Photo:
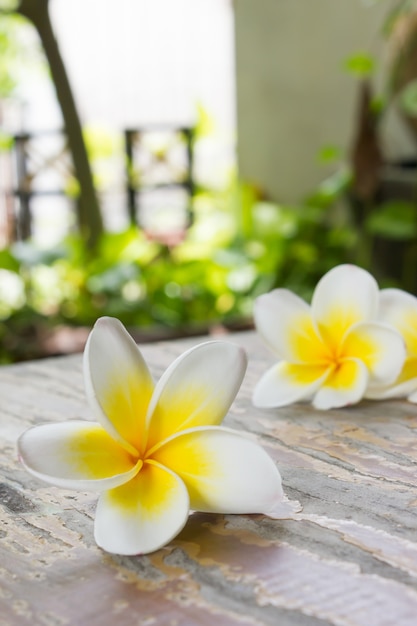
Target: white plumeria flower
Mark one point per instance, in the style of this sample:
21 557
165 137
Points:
156 451
329 351
399 309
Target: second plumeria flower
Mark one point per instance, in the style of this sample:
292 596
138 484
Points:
331 351
156 451
399 309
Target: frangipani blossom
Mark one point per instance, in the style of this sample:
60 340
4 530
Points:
399 309
329 351
156 451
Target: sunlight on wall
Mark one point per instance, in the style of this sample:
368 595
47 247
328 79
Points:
148 61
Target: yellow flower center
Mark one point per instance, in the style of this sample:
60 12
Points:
308 347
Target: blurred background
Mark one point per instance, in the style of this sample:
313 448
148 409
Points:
167 161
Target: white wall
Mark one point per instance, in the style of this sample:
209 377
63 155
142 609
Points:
135 62
292 95
148 61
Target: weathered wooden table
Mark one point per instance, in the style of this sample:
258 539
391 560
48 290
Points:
348 558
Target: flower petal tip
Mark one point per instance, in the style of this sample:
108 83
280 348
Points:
107 322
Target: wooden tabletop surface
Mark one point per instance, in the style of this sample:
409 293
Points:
348 558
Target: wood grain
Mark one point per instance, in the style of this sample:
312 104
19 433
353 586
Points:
348 558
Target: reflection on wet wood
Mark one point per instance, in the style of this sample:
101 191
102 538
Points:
348 558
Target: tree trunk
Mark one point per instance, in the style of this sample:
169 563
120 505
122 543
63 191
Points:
88 210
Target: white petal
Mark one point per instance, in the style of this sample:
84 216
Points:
393 301
380 347
144 514
344 296
196 390
284 322
76 455
399 309
223 471
386 392
346 385
285 383
118 383
413 397
405 384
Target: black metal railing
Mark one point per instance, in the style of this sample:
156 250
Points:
36 154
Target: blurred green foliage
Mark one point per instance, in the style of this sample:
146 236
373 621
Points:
360 64
238 247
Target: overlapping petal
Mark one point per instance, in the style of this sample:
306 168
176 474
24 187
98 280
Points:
403 386
344 296
284 321
399 309
285 383
224 471
76 455
346 385
144 514
118 383
380 347
197 390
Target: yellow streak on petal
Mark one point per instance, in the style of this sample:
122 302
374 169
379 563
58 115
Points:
186 408
307 347
361 346
303 374
149 494
408 328
192 461
337 321
126 406
408 372
93 454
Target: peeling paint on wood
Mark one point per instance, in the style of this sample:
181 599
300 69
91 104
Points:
349 558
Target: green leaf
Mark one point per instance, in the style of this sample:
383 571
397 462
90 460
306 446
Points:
329 154
6 141
331 188
274 221
394 220
204 126
408 98
8 261
378 105
101 142
360 65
